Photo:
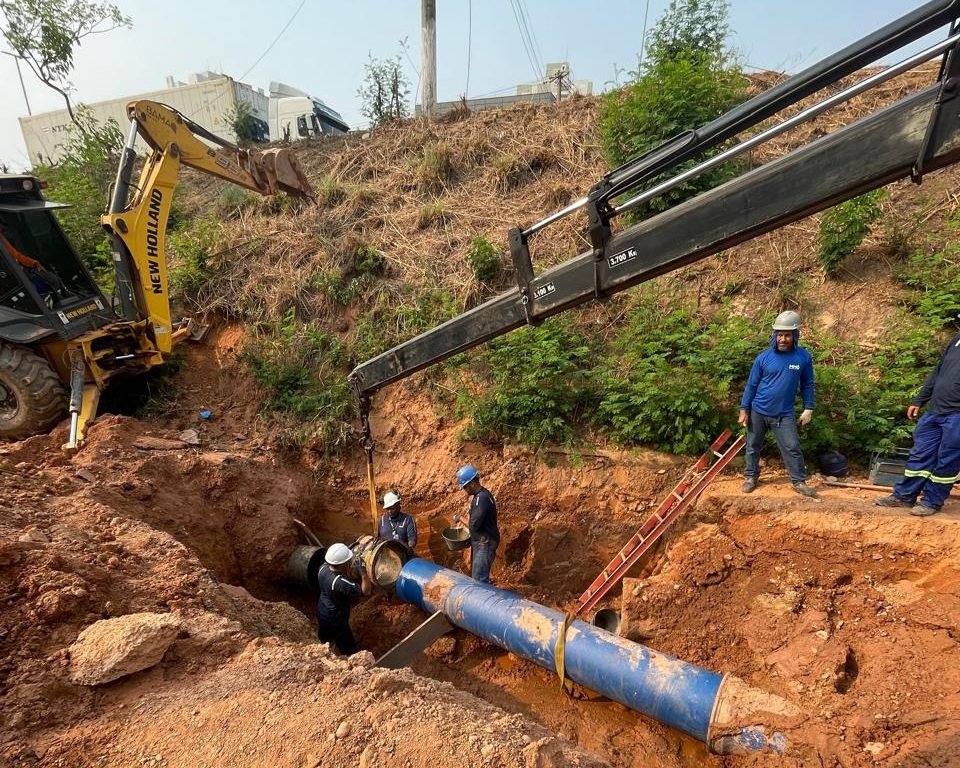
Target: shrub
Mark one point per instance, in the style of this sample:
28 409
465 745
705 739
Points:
330 192
435 168
484 258
191 248
935 277
432 215
541 383
688 79
302 370
845 226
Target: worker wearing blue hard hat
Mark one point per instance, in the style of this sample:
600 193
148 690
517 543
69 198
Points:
484 533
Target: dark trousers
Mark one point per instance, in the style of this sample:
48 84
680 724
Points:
338 635
481 561
788 441
934 462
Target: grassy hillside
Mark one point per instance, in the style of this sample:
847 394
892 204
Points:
409 231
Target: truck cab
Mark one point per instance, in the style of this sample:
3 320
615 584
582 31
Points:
295 115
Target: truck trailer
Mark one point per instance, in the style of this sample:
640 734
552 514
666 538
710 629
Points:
210 99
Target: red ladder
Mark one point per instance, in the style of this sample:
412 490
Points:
696 479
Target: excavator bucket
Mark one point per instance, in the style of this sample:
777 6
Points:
279 170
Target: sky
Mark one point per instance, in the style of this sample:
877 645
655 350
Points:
321 46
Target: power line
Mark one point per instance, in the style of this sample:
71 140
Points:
531 33
523 39
279 35
643 35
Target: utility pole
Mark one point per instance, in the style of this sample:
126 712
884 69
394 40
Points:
428 55
20 75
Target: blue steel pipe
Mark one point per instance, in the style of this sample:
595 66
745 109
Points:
695 701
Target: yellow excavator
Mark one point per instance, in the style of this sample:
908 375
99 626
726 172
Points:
58 332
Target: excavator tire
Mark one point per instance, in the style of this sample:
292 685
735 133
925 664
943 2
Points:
32 397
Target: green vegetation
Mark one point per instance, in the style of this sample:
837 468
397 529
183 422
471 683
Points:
244 125
935 277
384 92
845 226
301 369
688 79
193 247
484 259
45 33
540 384
82 179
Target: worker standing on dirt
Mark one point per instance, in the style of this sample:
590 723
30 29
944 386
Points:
484 532
337 592
396 525
934 462
769 400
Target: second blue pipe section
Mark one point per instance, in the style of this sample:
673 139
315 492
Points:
676 693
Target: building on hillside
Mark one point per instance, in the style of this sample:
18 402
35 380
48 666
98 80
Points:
557 84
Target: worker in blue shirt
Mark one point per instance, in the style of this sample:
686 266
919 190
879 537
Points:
934 462
769 401
396 525
484 532
337 592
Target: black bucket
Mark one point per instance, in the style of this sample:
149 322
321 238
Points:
608 619
833 464
303 565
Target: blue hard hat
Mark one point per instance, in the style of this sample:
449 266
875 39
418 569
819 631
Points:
467 473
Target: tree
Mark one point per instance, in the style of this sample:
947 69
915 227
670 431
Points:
691 28
82 178
244 124
44 34
688 79
384 92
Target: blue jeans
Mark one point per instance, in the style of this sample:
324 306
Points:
481 560
788 441
934 463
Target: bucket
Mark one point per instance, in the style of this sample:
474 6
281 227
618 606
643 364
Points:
456 538
833 464
607 619
303 565
384 563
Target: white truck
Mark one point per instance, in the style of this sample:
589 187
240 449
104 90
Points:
296 115
210 99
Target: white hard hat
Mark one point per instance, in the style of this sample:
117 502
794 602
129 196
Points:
390 499
338 554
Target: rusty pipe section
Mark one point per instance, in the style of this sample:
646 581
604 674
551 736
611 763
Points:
723 712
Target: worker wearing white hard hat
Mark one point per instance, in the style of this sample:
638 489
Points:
338 590
396 525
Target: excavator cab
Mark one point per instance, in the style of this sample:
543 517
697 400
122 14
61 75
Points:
45 290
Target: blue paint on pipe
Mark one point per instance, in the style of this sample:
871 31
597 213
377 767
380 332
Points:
671 691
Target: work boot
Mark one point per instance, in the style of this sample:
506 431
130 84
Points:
922 510
805 490
892 501
749 485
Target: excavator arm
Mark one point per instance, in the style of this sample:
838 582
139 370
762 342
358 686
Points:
919 133
137 219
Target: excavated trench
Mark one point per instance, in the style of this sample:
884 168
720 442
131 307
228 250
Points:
852 615
849 612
